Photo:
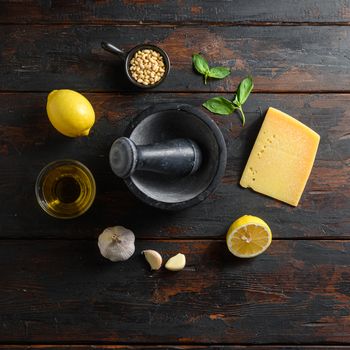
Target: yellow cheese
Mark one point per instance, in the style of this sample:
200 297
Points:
281 160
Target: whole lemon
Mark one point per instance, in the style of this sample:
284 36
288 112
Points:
70 112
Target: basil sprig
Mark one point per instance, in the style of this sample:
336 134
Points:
201 65
223 106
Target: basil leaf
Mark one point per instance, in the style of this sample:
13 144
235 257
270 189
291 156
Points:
219 105
242 115
236 102
200 64
244 89
219 72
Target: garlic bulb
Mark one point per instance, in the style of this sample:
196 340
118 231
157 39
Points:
116 243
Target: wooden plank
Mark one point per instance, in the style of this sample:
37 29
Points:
28 142
193 11
64 291
174 347
279 58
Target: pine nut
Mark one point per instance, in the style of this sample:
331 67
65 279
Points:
147 67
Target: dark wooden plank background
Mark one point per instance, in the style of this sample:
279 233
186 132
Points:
56 289
281 58
190 11
69 293
171 347
29 141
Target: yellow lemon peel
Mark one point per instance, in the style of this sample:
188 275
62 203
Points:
70 112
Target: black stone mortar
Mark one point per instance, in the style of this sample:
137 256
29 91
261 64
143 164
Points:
160 124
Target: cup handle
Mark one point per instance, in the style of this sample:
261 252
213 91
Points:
112 49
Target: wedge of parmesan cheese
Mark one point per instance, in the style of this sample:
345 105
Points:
282 157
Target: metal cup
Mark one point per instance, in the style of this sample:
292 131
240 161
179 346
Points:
127 57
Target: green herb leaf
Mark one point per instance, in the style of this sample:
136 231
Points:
200 63
219 72
236 102
244 89
242 114
219 105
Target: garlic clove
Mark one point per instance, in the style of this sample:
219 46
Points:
116 243
176 263
153 258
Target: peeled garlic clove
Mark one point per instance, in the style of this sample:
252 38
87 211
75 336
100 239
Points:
116 243
176 263
153 258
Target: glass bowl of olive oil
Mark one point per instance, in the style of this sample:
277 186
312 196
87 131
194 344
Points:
65 189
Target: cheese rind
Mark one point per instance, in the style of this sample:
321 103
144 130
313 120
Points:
282 157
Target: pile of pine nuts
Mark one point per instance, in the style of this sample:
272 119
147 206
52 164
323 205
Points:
147 67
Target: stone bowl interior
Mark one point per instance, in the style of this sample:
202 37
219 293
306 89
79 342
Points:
162 123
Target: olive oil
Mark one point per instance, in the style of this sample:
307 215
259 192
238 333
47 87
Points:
65 189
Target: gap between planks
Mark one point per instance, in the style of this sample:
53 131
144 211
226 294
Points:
177 240
110 345
187 92
166 24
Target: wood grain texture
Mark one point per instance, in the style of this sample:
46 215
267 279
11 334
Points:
56 288
28 142
279 58
193 11
64 291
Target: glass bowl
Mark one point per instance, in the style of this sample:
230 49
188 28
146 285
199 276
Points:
65 189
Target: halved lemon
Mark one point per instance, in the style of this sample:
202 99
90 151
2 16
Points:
248 236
